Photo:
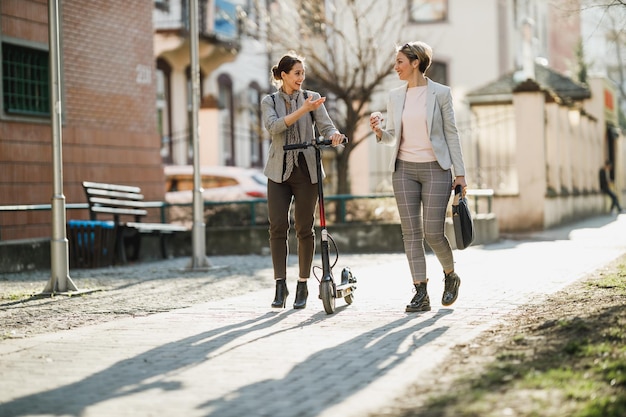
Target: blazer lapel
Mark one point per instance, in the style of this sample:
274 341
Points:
302 127
302 122
398 105
431 99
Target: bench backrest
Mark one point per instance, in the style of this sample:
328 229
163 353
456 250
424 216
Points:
115 200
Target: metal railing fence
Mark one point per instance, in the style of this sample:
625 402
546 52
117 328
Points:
474 195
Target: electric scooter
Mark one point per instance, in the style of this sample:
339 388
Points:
329 290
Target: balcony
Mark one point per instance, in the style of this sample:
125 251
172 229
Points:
218 23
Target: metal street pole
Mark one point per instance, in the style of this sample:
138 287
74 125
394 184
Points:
60 280
199 260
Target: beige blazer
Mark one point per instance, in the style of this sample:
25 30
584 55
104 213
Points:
440 122
273 111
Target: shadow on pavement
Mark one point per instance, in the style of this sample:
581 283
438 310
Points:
351 365
331 375
136 374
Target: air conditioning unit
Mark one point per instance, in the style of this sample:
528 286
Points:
162 5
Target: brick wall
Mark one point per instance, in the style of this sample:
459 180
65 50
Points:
109 125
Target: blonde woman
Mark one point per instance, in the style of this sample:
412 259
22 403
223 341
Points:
427 164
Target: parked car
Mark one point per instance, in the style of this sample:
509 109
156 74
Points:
220 183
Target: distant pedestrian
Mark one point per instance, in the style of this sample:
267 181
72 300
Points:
606 185
288 115
422 129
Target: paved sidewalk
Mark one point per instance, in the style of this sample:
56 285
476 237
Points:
237 357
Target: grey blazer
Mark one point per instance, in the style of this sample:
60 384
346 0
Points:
440 122
274 111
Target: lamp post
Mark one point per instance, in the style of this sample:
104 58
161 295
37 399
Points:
199 260
60 280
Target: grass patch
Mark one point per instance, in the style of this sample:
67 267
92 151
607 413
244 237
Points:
563 359
16 296
615 281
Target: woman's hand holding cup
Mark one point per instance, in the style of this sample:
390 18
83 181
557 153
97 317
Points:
376 122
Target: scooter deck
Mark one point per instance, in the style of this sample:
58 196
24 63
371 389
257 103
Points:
345 289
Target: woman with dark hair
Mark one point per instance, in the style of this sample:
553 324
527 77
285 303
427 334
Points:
289 115
427 164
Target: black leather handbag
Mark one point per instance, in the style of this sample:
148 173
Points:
462 220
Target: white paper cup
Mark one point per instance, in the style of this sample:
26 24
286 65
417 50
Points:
379 116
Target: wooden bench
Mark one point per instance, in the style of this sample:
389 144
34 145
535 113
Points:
124 201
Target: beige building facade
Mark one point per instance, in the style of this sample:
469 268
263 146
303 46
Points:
524 135
474 43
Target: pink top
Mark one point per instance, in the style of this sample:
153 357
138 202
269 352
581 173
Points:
415 145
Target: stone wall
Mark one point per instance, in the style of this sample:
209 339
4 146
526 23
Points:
34 254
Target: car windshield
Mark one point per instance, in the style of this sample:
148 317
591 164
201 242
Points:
260 178
185 182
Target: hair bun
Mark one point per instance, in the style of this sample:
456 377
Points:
275 73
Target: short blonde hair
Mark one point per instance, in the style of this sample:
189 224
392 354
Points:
418 50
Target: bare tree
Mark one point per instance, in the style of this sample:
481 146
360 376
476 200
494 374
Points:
616 36
345 60
611 21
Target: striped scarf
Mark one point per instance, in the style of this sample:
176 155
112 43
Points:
292 134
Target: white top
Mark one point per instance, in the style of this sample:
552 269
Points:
415 145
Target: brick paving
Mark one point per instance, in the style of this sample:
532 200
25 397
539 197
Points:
238 357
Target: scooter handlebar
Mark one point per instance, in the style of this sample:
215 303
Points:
321 141
296 146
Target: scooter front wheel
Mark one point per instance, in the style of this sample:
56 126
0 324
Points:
327 294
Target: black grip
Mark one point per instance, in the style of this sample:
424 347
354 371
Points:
328 142
321 141
295 146
458 189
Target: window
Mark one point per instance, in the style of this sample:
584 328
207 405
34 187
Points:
25 81
163 104
227 118
226 19
256 126
438 72
428 11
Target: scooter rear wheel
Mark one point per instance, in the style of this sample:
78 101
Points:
347 278
327 295
349 298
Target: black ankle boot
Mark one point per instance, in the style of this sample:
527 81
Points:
421 301
451 288
302 292
280 298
